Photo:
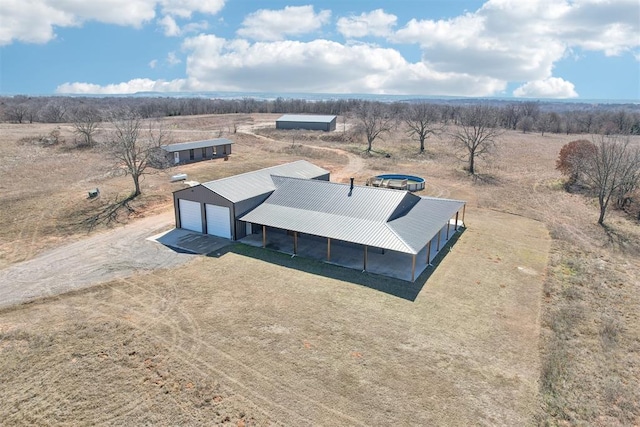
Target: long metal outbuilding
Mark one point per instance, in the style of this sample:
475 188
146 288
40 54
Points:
297 200
185 152
307 122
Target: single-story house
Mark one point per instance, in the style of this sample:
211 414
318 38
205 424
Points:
185 152
307 122
297 200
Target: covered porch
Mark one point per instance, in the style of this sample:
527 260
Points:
390 263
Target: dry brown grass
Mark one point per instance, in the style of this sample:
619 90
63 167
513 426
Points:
258 348
215 341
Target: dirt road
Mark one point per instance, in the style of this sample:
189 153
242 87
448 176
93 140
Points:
96 259
354 163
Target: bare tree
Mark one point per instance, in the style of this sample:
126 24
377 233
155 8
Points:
85 124
127 146
55 111
615 166
423 121
544 123
476 132
374 120
16 113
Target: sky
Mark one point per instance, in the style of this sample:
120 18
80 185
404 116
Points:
555 49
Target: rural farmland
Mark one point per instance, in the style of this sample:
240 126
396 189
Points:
529 318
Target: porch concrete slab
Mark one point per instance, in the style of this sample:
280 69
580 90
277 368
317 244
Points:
384 262
190 241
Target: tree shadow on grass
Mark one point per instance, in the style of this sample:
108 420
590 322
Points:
395 287
109 212
621 240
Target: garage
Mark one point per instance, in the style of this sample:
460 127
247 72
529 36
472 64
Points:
213 207
190 215
218 221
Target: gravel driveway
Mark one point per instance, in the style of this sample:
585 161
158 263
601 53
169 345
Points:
98 258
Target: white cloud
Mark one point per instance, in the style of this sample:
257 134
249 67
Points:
521 40
132 86
172 29
153 63
172 59
291 66
374 23
184 8
276 24
319 66
169 26
195 27
33 21
553 87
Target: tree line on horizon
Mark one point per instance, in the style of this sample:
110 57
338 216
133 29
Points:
525 116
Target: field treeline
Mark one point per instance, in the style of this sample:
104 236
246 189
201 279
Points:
526 116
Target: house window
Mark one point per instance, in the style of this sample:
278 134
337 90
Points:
192 154
204 153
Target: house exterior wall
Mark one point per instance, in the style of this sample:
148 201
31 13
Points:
198 155
203 196
327 127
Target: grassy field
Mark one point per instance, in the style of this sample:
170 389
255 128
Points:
214 340
531 318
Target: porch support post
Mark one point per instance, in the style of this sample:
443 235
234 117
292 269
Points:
457 220
429 252
364 268
464 207
448 225
413 268
328 248
439 234
295 242
264 236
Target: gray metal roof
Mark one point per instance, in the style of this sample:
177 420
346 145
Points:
424 220
251 184
181 146
373 216
306 118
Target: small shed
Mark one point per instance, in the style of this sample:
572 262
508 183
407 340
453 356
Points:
186 152
307 122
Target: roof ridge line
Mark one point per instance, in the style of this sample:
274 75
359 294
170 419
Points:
399 237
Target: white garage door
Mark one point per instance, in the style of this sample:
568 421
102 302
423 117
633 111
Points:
190 216
218 222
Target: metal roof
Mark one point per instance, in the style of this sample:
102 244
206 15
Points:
306 118
181 146
373 216
251 184
424 220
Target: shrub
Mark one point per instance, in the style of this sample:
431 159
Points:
573 159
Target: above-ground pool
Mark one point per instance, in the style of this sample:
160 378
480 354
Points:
398 181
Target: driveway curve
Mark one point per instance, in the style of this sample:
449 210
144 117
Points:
99 258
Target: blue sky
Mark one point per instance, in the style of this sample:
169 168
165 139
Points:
580 49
